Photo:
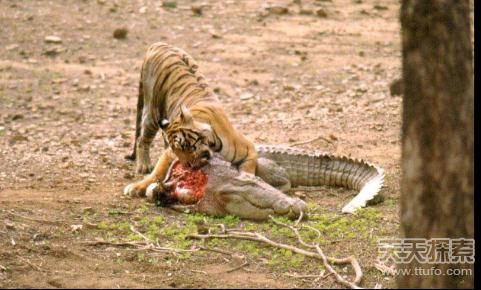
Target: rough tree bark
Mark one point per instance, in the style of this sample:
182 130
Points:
437 191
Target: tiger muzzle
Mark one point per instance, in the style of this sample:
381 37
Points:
201 160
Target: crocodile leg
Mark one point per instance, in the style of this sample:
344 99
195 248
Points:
273 174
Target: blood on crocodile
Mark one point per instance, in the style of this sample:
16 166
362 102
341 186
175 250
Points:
188 184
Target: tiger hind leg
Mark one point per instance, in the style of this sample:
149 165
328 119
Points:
138 121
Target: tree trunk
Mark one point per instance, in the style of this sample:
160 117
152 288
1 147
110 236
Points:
437 191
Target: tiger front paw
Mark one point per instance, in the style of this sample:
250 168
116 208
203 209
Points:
153 191
158 192
134 190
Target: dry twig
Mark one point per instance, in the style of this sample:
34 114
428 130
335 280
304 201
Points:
215 250
35 219
325 260
310 141
385 269
318 254
238 267
120 244
35 267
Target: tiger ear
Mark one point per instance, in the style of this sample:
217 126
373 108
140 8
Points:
205 128
164 124
185 115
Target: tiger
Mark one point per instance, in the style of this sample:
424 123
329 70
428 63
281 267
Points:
175 98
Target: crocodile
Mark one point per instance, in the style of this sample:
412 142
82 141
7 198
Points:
279 168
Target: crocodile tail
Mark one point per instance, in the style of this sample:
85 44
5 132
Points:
314 168
370 188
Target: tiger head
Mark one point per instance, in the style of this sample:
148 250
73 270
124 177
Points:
188 139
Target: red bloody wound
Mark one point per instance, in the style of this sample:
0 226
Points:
189 184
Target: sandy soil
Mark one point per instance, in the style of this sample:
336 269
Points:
67 114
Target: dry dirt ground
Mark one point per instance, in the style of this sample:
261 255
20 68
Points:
67 115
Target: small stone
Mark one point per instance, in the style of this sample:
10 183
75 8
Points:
17 117
120 33
246 96
300 194
169 4
215 35
321 12
361 89
397 87
238 259
277 9
305 11
364 12
88 210
128 175
143 10
254 82
53 39
197 9
332 137
76 228
353 78
9 225
12 47
380 7
38 237
291 87
53 51
84 88
17 138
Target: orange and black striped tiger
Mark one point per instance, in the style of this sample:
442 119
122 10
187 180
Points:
174 97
